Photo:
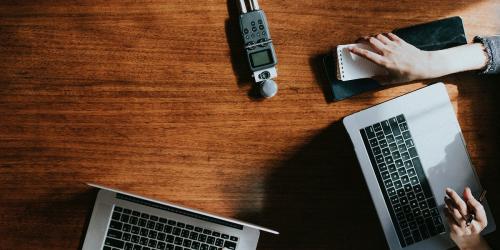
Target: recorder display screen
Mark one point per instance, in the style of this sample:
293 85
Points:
261 58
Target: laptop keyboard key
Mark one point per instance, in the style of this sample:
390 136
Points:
186 243
202 238
230 245
126 237
152 243
193 236
135 238
178 241
195 245
161 245
143 241
115 225
159 227
135 230
416 235
133 220
210 240
114 243
129 246
219 242
161 236
115 216
114 234
408 241
142 222
370 132
167 229
152 234
170 238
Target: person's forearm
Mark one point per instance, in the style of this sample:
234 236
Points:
458 59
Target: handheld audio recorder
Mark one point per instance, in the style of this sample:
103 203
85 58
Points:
258 46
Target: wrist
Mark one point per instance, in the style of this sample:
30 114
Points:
476 243
439 63
458 59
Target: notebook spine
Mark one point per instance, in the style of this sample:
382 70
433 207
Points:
341 63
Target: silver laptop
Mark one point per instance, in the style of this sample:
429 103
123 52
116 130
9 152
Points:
125 221
410 149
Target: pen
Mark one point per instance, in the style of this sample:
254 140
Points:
470 216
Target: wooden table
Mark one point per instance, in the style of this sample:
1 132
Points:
152 97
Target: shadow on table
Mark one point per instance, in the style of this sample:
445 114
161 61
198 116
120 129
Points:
318 69
482 95
89 196
318 199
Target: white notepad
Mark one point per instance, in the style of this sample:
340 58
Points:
351 66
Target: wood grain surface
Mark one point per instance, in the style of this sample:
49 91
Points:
153 97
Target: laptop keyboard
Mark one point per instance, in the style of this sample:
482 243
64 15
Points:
133 230
402 180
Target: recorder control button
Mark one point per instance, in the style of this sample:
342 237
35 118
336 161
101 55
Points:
251 45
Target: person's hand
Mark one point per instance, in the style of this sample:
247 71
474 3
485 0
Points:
403 61
456 210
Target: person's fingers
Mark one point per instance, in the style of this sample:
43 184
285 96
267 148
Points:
383 39
467 194
374 57
453 211
376 44
454 227
475 227
449 217
480 214
459 203
476 207
363 39
393 37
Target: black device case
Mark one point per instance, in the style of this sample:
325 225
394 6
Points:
436 35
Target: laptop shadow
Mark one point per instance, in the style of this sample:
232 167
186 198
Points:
318 199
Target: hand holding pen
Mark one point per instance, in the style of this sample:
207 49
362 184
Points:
466 218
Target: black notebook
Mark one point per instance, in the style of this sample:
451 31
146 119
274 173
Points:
436 35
